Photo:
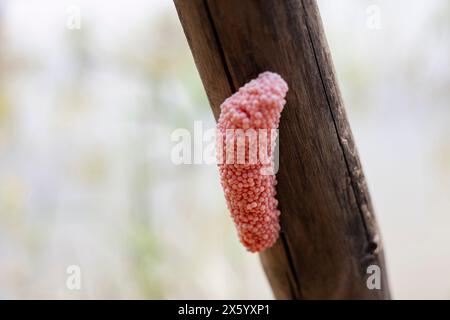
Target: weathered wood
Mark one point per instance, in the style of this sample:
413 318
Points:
329 233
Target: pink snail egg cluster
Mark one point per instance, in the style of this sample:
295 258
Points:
249 190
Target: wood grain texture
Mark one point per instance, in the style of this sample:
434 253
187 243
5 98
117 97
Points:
329 233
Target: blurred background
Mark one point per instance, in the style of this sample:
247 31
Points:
86 177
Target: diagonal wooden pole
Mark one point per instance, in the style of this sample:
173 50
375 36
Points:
329 238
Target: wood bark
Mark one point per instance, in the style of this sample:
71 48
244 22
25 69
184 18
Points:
329 233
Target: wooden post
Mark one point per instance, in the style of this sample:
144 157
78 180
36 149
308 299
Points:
329 234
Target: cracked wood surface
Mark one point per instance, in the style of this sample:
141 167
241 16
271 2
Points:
329 233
